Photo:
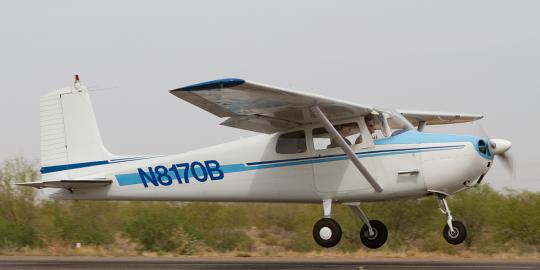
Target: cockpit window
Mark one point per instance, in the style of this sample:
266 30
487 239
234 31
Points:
292 143
397 122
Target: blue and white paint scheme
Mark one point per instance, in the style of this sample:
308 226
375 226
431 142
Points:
311 149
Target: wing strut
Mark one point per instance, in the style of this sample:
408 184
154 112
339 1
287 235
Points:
421 125
346 148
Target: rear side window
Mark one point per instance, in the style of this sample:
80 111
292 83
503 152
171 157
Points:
292 143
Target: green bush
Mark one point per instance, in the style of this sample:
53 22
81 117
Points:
155 226
186 227
87 222
18 205
14 235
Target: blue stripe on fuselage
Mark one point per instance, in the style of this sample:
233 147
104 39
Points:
134 178
72 166
409 137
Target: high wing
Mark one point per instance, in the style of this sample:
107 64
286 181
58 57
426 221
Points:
438 118
267 109
261 108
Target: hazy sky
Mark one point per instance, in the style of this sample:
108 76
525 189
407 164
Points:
465 56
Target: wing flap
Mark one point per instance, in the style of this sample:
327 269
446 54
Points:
259 123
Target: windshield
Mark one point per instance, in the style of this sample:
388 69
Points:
393 122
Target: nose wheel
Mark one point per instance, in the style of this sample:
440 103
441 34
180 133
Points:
454 231
457 235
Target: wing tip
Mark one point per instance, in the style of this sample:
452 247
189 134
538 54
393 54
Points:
209 85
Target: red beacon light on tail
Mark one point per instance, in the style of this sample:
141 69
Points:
77 83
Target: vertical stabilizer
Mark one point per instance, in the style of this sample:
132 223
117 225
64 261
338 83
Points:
69 132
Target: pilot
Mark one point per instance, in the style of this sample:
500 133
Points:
370 123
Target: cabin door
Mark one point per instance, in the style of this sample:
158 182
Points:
333 171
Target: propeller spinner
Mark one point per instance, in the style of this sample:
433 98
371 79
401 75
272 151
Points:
499 147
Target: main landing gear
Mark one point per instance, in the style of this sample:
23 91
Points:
373 234
327 232
454 231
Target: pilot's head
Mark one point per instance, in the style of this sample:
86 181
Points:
370 123
344 130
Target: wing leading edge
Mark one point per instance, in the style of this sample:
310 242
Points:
267 109
262 108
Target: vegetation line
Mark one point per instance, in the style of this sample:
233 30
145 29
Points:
497 223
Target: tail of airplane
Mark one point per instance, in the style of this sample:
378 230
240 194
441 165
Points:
70 136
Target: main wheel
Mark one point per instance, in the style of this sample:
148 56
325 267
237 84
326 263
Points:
327 232
459 234
379 236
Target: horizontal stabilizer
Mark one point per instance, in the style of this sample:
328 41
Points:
68 184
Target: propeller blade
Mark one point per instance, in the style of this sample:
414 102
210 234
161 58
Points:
482 132
508 163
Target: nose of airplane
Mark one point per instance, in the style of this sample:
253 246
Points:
499 146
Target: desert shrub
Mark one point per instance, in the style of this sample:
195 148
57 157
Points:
18 214
87 222
155 226
15 235
181 227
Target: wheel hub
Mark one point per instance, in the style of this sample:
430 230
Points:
325 233
372 236
453 234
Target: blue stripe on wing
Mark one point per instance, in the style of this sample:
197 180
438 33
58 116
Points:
216 84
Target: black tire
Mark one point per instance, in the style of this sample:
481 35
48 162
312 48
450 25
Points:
327 232
378 239
459 235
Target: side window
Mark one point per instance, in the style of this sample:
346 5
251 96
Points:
292 143
349 131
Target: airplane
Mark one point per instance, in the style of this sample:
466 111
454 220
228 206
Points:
311 149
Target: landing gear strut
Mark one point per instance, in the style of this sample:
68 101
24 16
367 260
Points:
454 231
373 233
326 231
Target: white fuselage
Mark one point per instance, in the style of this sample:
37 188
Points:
410 164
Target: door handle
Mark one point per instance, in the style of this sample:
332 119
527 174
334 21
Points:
408 172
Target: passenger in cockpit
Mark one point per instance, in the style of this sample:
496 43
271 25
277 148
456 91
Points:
344 131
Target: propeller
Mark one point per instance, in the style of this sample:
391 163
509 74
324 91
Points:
499 148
